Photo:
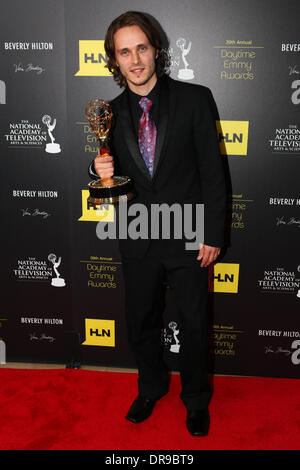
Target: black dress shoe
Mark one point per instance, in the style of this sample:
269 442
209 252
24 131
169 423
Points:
140 409
197 422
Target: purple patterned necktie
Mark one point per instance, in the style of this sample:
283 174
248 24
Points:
147 134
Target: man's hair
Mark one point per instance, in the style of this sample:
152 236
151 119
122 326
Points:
135 18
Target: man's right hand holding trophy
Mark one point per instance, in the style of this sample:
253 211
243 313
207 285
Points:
108 188
104 165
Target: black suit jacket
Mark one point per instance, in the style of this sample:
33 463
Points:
188 168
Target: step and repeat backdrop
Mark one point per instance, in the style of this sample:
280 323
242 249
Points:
62 288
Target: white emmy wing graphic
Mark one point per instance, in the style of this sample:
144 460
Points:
2 352
2 92
56 281
174 347
186 73
52 147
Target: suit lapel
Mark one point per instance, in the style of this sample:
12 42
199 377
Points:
162 123
130 138
166 115
167 105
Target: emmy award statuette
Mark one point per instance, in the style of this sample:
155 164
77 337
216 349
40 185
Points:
2 352
174 347
52 147
105 190
56 281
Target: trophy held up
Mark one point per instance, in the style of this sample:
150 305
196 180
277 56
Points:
105 190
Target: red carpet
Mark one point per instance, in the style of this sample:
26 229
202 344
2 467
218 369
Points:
77 409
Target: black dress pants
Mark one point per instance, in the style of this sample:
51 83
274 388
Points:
144 305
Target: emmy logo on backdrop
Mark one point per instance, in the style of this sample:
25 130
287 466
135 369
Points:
2 352
2 92
56 281
53 147
174 347
186 73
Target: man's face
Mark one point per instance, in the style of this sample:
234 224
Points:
135 57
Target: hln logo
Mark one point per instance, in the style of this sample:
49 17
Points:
92 59
95 213
224 277
233 137
99 332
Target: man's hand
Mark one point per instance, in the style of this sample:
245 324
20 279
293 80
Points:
208 254
104 166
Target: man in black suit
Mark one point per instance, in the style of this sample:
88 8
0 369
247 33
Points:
181 166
